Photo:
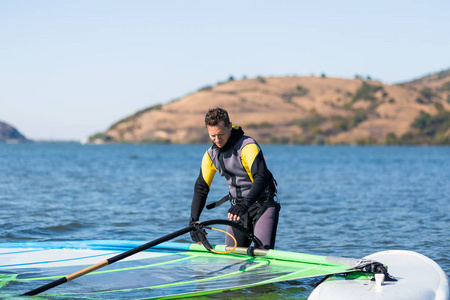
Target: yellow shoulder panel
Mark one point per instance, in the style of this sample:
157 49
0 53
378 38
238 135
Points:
248 155
208 169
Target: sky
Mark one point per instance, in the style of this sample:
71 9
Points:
70 69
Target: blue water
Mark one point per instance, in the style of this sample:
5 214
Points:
336 200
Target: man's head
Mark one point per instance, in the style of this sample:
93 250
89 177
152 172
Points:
215 115
218 125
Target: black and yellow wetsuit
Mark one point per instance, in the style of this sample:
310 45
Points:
242 163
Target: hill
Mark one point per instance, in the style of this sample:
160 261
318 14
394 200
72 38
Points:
304 110
10 134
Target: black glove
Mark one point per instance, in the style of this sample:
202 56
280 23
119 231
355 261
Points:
198 235
194 233
239 209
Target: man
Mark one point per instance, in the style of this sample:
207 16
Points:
239 159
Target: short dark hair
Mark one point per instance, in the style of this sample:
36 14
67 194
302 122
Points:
215 115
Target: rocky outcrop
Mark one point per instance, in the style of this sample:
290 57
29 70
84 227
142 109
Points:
10 134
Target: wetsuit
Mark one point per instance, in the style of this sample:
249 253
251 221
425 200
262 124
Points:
242 163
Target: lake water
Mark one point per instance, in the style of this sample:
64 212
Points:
336 200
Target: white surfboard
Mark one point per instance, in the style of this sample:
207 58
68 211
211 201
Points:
419 278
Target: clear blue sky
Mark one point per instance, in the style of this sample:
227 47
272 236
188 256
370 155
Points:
69 69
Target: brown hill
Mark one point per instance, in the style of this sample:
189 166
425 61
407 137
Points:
297 110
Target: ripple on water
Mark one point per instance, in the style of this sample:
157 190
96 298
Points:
343 201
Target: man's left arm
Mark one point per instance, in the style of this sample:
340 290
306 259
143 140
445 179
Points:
255 164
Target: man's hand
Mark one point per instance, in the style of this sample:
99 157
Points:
195 234
198 235
237 211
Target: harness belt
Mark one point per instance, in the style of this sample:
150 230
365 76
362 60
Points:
220 202
267 199
256 210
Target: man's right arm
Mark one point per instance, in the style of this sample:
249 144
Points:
202 185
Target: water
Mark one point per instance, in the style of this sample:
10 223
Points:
336 200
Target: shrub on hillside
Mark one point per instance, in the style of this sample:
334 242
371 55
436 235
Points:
346 123
432 126
261 79
310 123
426 96
301 91
366 92
298 92
367 141
446 86
429 129
259 125
100 136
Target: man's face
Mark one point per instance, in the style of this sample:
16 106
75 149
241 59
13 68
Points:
219 134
